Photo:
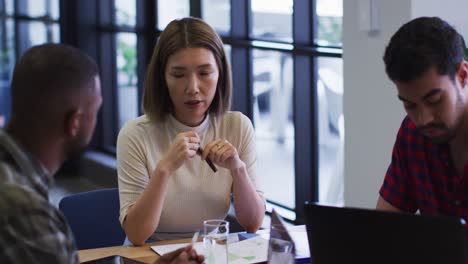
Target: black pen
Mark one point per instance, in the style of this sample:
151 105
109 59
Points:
210 163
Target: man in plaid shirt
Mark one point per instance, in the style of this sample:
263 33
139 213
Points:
56 95
429 167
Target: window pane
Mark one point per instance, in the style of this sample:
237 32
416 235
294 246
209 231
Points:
127 77
54 33
7 47
39 8
169 10
54 9
272 19
125 12
274 127
217 13
38 33
227 50
9 7
331 130
34 32
330 22
7 61
34 8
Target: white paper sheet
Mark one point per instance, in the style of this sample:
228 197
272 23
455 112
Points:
252 250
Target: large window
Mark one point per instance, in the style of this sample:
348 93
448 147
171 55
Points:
272 20
286 60
126 60
23 23
329 90
169 10
274 123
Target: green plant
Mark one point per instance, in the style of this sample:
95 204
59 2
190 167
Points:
123 17
130 62
330 29
5 66
4 56
464 47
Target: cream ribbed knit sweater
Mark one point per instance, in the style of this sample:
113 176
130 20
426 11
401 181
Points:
195 193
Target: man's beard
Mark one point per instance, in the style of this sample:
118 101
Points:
448 134
76 148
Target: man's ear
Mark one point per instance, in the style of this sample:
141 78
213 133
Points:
463 73
73 123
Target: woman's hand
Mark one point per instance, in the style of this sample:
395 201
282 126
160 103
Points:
181 256
185 147
223 154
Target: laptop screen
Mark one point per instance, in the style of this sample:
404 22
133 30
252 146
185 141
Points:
350 235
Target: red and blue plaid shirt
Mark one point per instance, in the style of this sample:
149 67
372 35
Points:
421 176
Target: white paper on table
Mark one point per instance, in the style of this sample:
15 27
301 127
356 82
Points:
251 250
163 249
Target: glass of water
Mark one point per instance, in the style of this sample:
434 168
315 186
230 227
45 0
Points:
215 237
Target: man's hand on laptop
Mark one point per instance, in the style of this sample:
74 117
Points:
181 256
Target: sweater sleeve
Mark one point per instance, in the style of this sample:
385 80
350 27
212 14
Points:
133 175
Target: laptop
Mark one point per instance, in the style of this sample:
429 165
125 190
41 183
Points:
350 235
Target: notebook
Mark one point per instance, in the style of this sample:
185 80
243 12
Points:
364 236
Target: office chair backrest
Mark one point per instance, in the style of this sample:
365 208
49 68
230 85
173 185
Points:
94 218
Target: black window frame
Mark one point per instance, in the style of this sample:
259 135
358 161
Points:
21 35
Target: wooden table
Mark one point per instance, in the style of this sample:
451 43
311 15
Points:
142 253
145 253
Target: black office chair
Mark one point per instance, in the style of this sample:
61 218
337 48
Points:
94 218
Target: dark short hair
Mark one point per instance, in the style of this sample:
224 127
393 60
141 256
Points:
421 44
47 76
179 34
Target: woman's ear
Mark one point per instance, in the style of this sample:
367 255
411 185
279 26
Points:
73 122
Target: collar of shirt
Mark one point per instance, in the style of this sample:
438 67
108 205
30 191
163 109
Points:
31 168
179 127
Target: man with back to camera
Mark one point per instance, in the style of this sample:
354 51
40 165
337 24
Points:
429 167
56 95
